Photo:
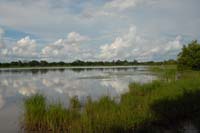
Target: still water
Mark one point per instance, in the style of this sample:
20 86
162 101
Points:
59 84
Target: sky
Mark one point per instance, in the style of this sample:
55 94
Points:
96 30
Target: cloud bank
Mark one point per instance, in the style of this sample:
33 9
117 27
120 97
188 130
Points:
129 45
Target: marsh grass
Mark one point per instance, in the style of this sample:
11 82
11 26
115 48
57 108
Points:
150 107
35 108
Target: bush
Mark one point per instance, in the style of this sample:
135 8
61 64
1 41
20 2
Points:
189 57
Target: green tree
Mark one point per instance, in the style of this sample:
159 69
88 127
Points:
189 57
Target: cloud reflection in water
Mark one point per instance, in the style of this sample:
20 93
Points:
68 83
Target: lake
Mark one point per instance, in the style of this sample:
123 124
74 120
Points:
59 84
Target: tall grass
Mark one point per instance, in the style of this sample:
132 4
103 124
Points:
35 108
146 107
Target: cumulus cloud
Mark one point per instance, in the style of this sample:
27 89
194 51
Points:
74 37
162 49
122 46
132 45
64 47
68 48
25 47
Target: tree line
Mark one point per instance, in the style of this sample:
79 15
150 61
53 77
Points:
43 63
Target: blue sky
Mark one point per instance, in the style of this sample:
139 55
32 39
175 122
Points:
96 29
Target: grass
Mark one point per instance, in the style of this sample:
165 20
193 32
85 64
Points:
152 107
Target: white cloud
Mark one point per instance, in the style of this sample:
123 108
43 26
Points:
122 4
114 8
64 47
121 46
163 48
68 49
174 45
132 45
25 47
74 37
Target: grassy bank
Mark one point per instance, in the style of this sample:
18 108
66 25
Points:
162 104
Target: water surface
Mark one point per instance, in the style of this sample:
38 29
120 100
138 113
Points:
59 84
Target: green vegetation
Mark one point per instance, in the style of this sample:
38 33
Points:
35 63
162 104
189 58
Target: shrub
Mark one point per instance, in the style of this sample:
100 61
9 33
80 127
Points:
189 57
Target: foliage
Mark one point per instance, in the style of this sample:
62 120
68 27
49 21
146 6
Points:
189 57
42 63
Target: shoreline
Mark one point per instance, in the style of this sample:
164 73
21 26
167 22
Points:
72 67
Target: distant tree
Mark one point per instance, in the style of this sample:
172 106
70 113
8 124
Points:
189 57
118 62
61 63
34 63
14 63
20 63
135 62
43 63
77 63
